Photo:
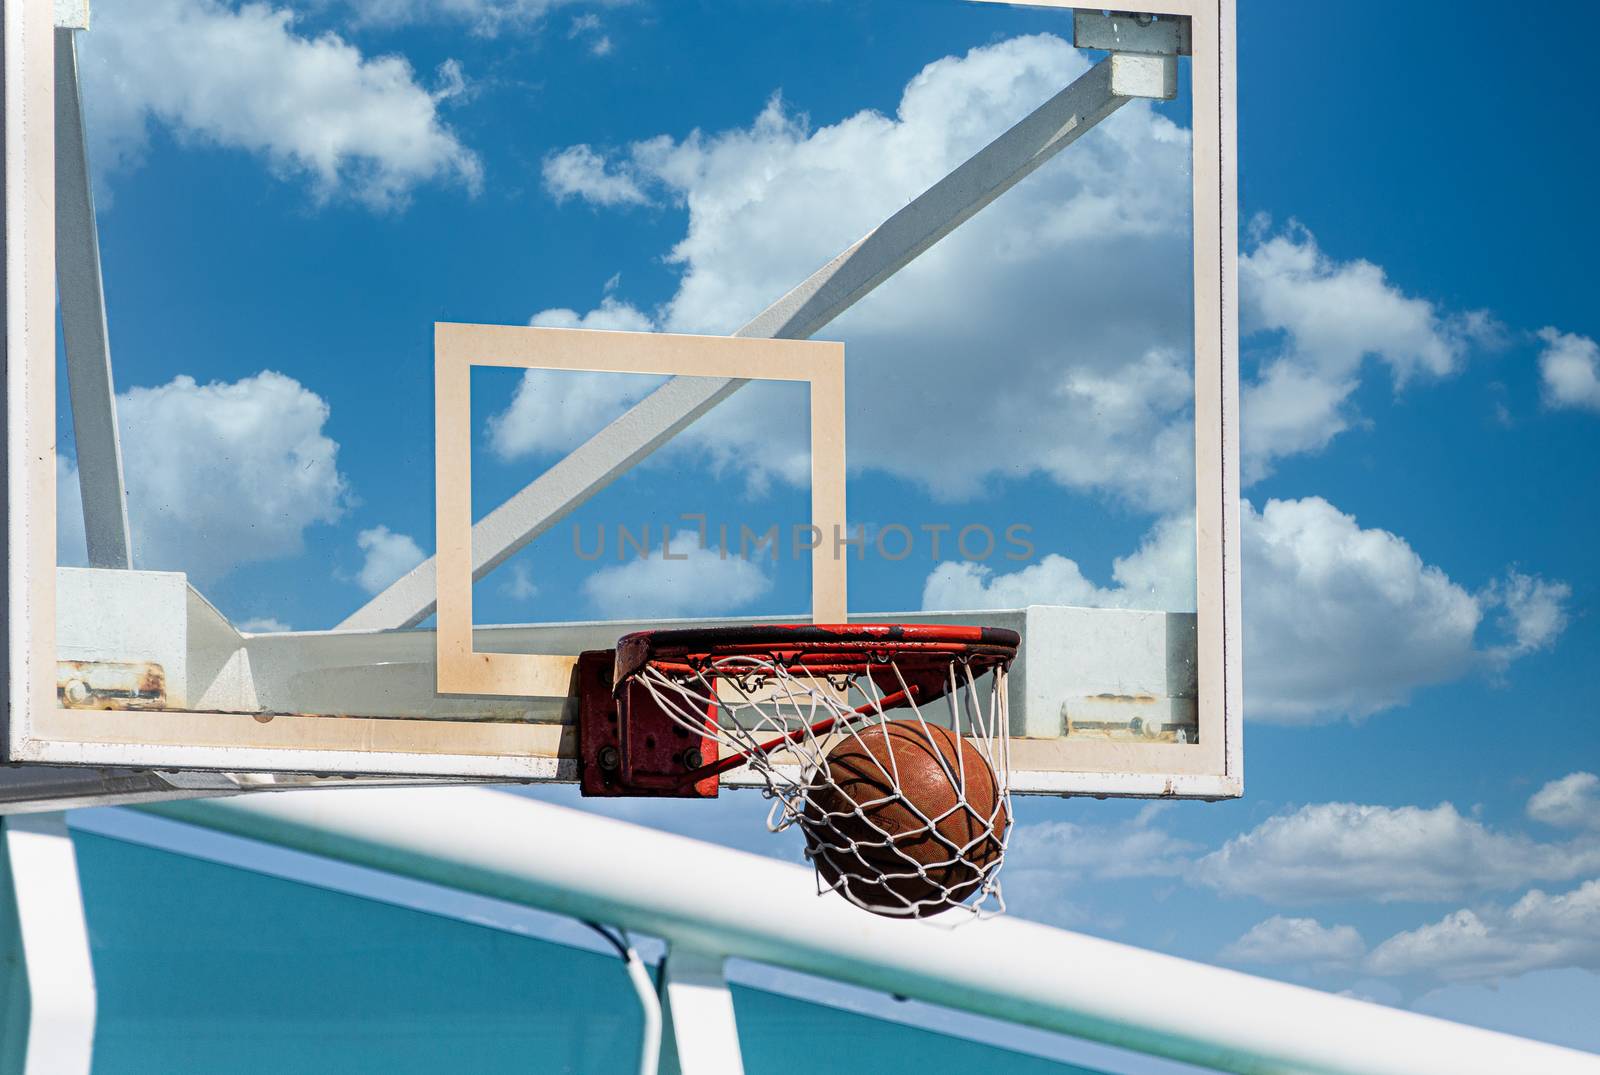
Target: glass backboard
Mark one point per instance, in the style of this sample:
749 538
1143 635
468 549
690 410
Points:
361 379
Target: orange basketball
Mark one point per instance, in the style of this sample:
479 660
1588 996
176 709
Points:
906 818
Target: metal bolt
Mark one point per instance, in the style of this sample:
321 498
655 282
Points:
691 758
610 758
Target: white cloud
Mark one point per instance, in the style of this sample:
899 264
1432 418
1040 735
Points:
1546 1005
388 556
580 172
1534 613
1280 940
1337 851
1054 580
1572 802
1537 932
1047 863
315 107
701 583
1288 410
1331 316
588 26
612 314
1342 620
1569 367
1384 625
519 585
1160 575
219 475
1338 313
557 410
1134 848
263 625
485 17
72 547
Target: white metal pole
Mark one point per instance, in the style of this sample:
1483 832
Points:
701 1033
649 1009
47 1012
712 899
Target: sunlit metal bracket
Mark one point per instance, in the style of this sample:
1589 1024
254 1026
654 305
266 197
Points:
1125 31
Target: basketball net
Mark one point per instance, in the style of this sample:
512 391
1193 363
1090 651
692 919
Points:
785 723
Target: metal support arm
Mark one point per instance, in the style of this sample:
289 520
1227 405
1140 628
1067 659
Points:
83 326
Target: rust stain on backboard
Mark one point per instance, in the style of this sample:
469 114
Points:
1149 719
111 685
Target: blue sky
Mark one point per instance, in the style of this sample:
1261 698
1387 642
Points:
289 200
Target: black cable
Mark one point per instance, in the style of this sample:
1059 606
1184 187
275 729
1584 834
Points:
616 942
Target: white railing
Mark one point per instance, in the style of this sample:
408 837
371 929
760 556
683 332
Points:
709 903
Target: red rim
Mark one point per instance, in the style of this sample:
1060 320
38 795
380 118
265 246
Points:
821 649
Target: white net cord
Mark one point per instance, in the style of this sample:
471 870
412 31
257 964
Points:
906 808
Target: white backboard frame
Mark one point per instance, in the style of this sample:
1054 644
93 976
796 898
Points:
38 730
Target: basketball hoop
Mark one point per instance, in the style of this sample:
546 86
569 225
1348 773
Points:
886 744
